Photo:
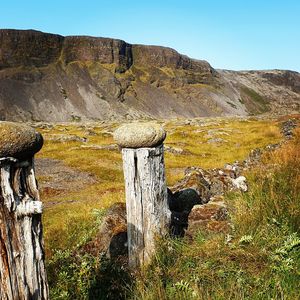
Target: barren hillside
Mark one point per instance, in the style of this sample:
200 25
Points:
54 78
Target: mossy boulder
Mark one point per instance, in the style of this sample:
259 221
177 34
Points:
18 140
111 238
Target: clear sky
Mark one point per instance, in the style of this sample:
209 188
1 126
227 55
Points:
230 34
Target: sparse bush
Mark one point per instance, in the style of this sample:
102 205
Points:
71 276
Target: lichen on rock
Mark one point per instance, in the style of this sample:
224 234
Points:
19 140
139 135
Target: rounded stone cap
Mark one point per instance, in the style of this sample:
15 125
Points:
19 140
139 135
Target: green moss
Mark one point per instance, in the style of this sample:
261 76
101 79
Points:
254 101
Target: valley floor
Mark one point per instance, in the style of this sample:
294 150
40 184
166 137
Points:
79 171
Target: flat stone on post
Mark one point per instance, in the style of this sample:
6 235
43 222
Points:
19 140
22 266
139 135
148 215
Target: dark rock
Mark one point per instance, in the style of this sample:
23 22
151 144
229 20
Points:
288 78
166 57
118 245
102 50
287 128
214 182
184 200
212 216
179 223
111 239
29 48
196 179
180 204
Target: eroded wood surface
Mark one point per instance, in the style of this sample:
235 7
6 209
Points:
22 267
146 201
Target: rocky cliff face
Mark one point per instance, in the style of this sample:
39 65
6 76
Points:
54 78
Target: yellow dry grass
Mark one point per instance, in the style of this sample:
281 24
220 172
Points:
206 143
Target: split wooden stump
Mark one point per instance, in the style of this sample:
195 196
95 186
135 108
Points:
148 215
22 267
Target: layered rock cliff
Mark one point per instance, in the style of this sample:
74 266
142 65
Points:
54 78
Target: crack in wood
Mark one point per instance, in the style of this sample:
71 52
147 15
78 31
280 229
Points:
22 268
146 201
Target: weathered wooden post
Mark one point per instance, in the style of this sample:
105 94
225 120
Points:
22 268
148 215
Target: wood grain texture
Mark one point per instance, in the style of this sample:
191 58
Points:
22 268
147 209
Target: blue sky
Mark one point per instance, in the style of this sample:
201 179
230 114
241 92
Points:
257 34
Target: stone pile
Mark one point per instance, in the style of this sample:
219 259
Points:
287 128
197 200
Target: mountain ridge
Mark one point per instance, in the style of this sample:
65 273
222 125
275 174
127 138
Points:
50 77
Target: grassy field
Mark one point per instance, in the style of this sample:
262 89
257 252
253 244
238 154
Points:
234 138
214 266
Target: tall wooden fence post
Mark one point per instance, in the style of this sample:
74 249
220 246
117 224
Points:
22 268
148 215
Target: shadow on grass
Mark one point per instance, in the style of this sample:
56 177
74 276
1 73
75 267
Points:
112 280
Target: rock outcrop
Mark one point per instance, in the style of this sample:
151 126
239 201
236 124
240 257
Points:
54 78
111 239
